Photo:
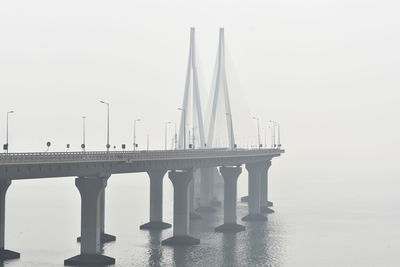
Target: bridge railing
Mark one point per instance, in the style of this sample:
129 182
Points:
130 155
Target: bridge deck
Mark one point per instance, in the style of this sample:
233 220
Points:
130 156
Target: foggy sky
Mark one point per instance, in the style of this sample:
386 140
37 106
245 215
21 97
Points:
326 70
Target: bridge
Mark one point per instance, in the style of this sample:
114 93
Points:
194 168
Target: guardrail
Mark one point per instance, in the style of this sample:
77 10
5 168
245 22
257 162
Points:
44 157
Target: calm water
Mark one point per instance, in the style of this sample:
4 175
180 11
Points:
318 222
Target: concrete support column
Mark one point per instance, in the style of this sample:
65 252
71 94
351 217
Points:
254 170
217 188
104 238
181 181
4 253
230 175
156 201
264 187
265 204
90 189
192 212
205 190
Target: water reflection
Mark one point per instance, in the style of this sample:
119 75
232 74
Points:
229 257
154 250
259 245
263 246
182 256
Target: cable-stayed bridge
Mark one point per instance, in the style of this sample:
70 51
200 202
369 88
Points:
195 169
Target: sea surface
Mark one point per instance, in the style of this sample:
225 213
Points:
318 221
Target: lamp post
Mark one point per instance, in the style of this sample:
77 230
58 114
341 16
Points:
175 136
8 113
274 123
83 133
165 133
258 130
184 127
265 137
134 133
108 124
279 132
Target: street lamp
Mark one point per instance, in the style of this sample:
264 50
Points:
108 124
6 146
184 127
231 130
165 133
134 133
83 133
274 123
279 133
175 136
258 130
265 136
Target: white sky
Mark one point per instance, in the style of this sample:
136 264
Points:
328 71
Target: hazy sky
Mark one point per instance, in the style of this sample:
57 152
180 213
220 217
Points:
326 70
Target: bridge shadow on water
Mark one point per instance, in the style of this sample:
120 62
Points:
260 245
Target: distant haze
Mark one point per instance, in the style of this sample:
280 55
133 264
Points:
328 71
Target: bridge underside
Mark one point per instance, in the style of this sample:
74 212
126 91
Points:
92 180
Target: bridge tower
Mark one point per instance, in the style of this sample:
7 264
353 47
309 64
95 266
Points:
219 110
220 90
192 116
191 129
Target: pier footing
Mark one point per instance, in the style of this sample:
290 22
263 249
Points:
230 227
6 254
104 238
155 225
267 210
180 241
254 217
89 260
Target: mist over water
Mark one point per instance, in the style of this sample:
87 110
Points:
317 222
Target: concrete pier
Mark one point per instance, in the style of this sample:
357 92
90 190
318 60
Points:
156 201
193 215
217 188
264 203
205 190
181 181
104 238
4 253
230 176
90 189
255 172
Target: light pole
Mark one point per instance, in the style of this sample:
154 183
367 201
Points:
258 130
193 137
8 113
265 137
184 127
134 133
165 133
175 136
231 130
279 133
273 133
83 133
108 124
